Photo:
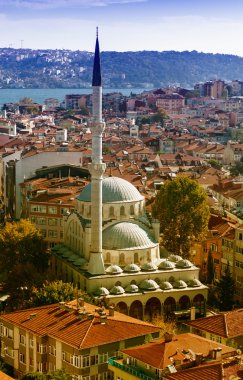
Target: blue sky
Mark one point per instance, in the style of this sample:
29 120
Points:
204 25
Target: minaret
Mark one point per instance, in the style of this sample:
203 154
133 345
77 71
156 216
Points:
97 169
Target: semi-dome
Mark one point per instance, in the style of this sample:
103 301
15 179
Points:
132 268
131 288
179 284
194 283
183 264
117 290
114 189
174 258
101 292
166 265
148 267
166 285
126 235
113 269
149 285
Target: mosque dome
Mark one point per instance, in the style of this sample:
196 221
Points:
179 284
149 285
117 290
183 264
101 292
166 265
166 285
174 258
126 235
114 189
131 288
194 283
132 268
113 269
147 267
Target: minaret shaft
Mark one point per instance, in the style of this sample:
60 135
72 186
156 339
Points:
97 169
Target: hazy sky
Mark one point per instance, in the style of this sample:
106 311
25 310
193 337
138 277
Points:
205 25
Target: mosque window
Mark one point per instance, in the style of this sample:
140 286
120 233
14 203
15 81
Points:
131 210
108 257
122 259
122 211
148 256
136 258
111 211
133 282
118 283
82 209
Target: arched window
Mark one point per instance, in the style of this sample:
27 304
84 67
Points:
118 283
111 211
148 256
122 259
122 211
108 257
131 210
136 261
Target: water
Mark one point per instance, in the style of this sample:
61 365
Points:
11 95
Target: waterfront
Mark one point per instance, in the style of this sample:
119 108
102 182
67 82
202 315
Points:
12 95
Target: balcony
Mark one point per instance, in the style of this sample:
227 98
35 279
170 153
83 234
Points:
126 368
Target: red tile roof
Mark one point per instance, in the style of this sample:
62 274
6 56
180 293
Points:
227 325
67 326
158 354
207 372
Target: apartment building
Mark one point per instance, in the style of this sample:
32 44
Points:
77 337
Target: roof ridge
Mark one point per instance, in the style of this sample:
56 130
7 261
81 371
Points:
85 335
226 326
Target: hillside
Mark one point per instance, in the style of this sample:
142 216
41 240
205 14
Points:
25 68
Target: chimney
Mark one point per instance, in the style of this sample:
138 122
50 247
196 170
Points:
81 302
168 337
111 311
198 359
218 353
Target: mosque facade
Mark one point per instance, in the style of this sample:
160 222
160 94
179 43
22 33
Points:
111 248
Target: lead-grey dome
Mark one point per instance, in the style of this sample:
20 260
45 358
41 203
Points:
179 284
113 269
149 285
117 290
183 264
131 288
101 291
133 268
114 189
166 285
126 235
166 265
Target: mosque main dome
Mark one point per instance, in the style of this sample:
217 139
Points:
126 235
114 189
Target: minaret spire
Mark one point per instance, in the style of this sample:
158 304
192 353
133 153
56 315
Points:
97 169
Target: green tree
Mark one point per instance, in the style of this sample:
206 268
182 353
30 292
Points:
23 259
53 375
159 117
56 291
181 207
215 163
26 100
210 268
236 169
226 289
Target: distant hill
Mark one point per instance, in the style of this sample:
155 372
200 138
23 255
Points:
64 68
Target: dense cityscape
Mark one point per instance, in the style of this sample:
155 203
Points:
121 217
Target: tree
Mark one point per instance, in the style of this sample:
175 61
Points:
56 291
23 259
26 101
181 207
226 289
210 268
53 375
236 169
215 163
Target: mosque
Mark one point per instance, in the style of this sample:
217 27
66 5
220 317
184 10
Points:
111 248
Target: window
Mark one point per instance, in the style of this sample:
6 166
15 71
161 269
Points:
9 351
22 339
52 210
31 343
22 358
240 236
52 233
86 361
41 221
52 350
64 210
41 348
103 358
32 219
38 208
52 222
52 367
10 334
64 356
75 360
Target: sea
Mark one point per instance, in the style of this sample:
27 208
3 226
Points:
10 95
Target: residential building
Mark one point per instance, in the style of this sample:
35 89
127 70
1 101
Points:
77 337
